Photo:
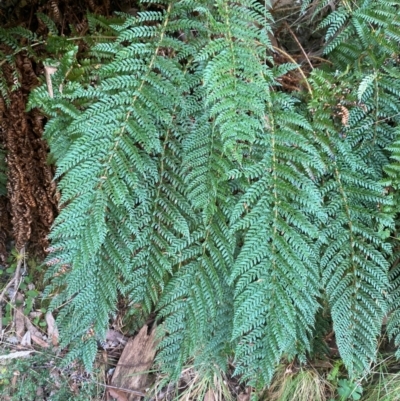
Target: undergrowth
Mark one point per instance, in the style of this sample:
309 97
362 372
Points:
37 377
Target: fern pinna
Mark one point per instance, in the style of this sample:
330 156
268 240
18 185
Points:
195 186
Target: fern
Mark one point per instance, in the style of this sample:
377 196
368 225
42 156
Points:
354 266
12 42
367 135
198 299
276 273
193 185
109 182
197 303
233 78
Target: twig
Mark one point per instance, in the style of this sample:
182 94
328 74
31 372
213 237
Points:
299 44
49 70
22 49
124 390
297 66
15 280
6 288
324 60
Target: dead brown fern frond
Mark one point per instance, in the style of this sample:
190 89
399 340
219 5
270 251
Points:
31 192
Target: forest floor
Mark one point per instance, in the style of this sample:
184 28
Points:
31 360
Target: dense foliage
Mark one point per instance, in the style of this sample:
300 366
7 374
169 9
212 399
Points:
195 185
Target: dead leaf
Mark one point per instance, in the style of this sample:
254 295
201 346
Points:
31 327
12 340
34 330
322 364
137 358
35 314
26 339
49 70
210 396
117 394
18 354
115 336
39 341
36 335
52 331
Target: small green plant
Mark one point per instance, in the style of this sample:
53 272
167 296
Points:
349 390
36 376
30 272
346 389
334 373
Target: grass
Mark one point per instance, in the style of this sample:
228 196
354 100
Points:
208 384
385 382
305 384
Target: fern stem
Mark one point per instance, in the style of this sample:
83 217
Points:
228 24
299 44
41 42
376 99
298 68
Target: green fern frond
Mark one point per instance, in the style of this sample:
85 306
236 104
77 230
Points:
13 41
111 183
276 274
359 129
354 258
392 183
352 32
235 86
49 23
195 305
393 326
